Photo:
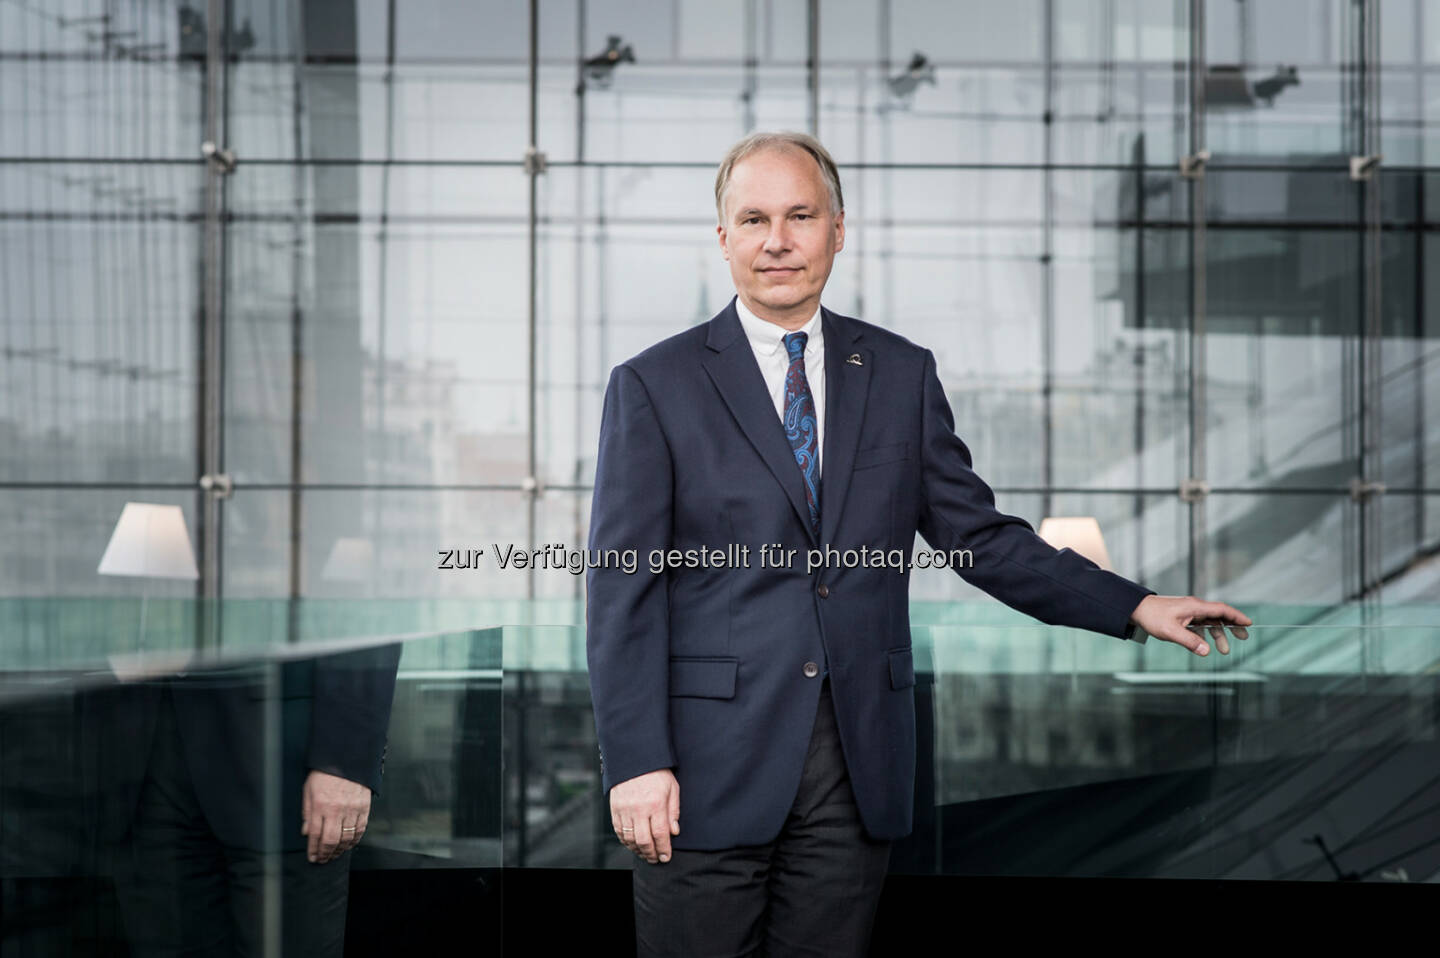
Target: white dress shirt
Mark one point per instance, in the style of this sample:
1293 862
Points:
768 342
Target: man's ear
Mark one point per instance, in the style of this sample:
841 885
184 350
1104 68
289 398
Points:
724 248
840 231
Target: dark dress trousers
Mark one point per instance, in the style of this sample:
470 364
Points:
811 892
717 672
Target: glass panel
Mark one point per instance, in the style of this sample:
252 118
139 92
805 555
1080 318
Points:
572 370
91 831
849 31
427 80
554 812
1319 197
1283 309
1119 393
1074 742
1430 146
1279 82
1402 78
1401 197
89 79
1426 361
1121 31
972 30
1409 527
1157 303
1119 114
99 291
1062 733
1407 374
406 291
969 114
432 111
1429 186
1119 82
685 112
94 755
376 544
563 525
965 282
52 540
1298 548
676 279
349 32
440 802
688 79
1288 196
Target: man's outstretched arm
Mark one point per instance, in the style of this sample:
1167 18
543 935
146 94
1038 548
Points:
1012 562
627 617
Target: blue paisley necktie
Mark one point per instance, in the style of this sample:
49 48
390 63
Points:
801 426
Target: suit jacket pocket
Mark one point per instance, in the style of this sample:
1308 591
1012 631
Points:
706 678
902 668
876 455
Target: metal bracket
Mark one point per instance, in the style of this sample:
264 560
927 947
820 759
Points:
1192 167
1362 489
1193 490
536 162
223 159
1362 168
218 485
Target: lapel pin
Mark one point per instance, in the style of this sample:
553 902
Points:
854 359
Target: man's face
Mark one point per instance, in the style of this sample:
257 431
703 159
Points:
778 234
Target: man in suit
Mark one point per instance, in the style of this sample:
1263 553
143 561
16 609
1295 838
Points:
775 696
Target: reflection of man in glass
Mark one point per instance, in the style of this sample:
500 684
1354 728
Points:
185 776
782 698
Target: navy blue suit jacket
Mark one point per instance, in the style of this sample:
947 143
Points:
702 669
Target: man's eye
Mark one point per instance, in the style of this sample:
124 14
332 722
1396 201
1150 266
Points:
802 216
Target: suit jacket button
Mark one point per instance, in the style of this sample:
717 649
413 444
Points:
824 591
811 670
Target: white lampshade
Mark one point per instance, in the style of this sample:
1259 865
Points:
351 559
1078 533
150 540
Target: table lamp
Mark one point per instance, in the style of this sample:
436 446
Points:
149 541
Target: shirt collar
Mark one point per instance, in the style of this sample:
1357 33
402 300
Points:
766 337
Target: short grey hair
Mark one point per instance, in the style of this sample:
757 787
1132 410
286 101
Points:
783 140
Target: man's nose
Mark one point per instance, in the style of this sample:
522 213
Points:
778 239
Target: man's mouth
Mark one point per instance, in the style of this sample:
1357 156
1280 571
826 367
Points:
781 269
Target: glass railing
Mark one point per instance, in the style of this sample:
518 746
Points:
136 786
1306 753
1309 752
41 633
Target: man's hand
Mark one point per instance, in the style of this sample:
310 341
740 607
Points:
645 812
1167 617
336 811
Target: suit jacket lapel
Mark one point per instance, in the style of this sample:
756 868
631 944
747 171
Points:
731 366
846 387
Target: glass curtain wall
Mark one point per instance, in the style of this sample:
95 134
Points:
345 279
